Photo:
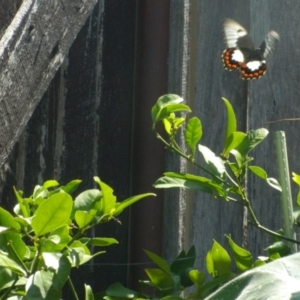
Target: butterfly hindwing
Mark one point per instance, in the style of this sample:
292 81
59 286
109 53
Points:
241 53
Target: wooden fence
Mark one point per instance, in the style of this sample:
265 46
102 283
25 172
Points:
86 120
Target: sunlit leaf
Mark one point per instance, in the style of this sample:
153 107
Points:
243 258
193 133
231 119
253 138
218 261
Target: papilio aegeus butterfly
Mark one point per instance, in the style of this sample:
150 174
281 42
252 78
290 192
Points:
241 53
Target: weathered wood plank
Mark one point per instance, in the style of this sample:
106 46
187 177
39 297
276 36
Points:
274 97
31 50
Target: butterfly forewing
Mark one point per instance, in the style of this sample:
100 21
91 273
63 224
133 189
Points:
241 54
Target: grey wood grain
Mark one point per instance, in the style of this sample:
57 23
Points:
274 97
31 50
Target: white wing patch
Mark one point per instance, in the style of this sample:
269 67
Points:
233 31
254 65
237 56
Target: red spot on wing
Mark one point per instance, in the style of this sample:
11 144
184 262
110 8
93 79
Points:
248 74
229 63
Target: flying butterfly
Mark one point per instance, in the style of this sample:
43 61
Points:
241 53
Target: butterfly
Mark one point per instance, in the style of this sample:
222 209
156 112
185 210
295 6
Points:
241 53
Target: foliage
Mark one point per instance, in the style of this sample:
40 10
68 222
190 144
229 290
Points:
223 177
49 235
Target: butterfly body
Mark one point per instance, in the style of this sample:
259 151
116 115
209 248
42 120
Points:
241 53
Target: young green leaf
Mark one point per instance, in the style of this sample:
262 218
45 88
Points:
50 184
88 292
243 258
163 101
84 218
71 186
120 206
233 141
258 171
231 119
193 133
171 108
160 279
108 198
218 261
296 178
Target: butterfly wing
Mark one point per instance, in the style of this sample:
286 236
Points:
236 35
239 44
269 43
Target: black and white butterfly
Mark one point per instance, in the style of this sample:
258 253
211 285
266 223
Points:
241 53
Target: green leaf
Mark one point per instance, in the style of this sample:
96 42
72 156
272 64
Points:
160 279
243 258
296 178
279 279
274 184
6 277
7 220
215 164
102 242
279 247
24 207
233 141
8 263
108 198
40 286
87 200
118 290
194 182
258 171
159 261
88 292
120 206
71 186
218 261
253 138
60 264
52 213
171 108
193 133
231 120
162 102
50 184
13 244
197 278
183 261
84 218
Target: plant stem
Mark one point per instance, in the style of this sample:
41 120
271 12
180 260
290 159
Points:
9 289
178 151
271 232
72 288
